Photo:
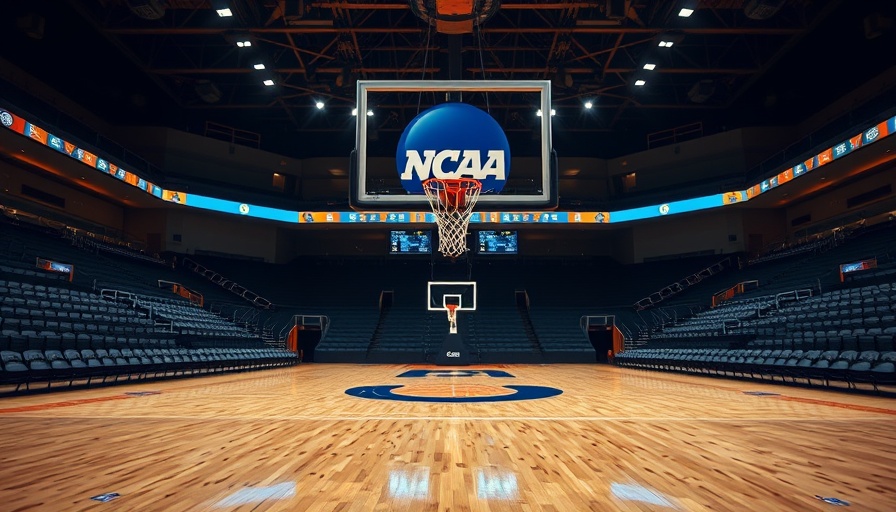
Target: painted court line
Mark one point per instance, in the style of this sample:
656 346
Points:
474 418
67 403
852 407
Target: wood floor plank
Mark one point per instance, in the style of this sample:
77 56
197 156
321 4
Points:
292 439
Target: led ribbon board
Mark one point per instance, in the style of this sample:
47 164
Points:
870 135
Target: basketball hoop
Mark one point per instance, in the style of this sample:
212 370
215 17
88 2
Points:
452 317
452 202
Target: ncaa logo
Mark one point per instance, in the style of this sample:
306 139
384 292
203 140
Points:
453 140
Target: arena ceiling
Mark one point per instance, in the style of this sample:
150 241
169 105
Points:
177 62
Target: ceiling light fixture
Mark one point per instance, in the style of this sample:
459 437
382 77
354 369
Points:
685 12
640 83
268 82
588 104
222 7
668 39
319 105
258 66
244 44
649 66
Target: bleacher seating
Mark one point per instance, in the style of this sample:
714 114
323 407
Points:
87 367
799 304
187 318
52 332
802 324
813 367
801 248
56 333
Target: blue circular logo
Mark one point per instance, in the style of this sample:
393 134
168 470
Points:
453 140
6 118
450 394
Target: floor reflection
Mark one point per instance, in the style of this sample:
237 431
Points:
409 483
494 483
635 492
259 494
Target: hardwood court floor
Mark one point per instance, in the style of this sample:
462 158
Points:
291 439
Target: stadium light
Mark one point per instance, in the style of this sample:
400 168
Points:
222 7
668 39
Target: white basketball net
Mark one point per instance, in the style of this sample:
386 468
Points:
452 203
452 320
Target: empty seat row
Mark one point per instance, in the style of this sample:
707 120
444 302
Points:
812 366
87 366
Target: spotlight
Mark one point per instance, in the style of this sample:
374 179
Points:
258 66
588 104
685 12
268 82
649 66
244 44
640 82
319 105
225 12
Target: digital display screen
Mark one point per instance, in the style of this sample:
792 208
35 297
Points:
60 267
858 266
55 266
852 267
407 241
497 242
